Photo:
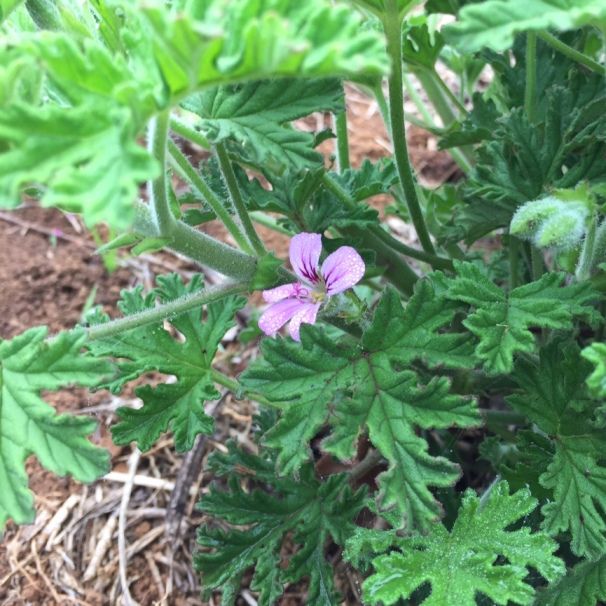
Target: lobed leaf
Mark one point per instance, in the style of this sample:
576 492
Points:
494 23
554 397
502 321
30 364
302 512
178 405
369 388
460 564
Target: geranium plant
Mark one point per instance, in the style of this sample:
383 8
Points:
455 386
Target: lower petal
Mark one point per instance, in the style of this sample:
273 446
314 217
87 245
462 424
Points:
273 295
342 269
276 315
306 315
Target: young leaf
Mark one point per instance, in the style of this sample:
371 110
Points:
366 388
502 321
596 354
84 156
554 398
461 563
584 585
312 511
494 23
29 364
218 42
178 405
255 114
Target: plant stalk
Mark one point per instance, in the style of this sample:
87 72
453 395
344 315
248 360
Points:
237 200
166 310
198 246
572 53
158 188
340 122
189 173
187 132
530 91
392 24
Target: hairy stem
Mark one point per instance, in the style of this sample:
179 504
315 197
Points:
463 156
393 31
237 200
514 258
572 53
158 188
449 94
530 91
340 120
189 173
198 246
166 310
270 222
187 132
537 262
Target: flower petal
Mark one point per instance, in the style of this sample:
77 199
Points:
342 269
294 290
305 252
307 315
276 315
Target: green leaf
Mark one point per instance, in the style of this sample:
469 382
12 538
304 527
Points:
585 585
256 115
178 405
30 364
370 388
301 512
84 157
596 354
420 46
522 162
502 321
460 564
555 399
6 7
219 42
494 23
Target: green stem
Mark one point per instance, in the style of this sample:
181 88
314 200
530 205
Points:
399 271
393 31
586 258
166 310
270 222
436 97
189 173
158 188
458 155
503 417
530 91
237 200
44 14
342 141
514 259
377 91
537 263
198 246
434 260
572 53
449 94
187 132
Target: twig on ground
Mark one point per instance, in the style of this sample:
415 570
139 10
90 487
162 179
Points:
123 558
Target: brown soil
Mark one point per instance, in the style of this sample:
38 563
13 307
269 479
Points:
48 271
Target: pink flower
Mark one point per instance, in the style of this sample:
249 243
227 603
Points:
299 302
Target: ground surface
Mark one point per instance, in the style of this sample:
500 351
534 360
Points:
48 272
